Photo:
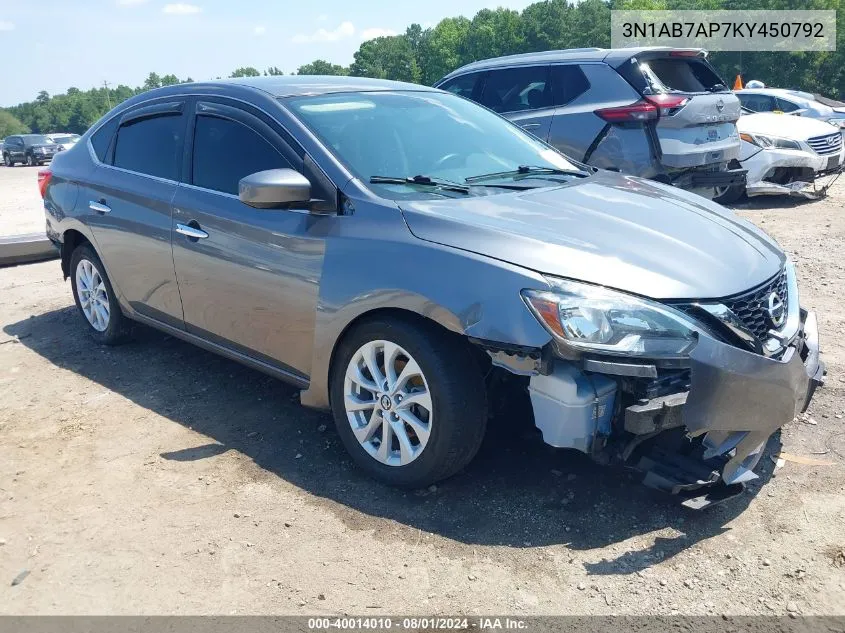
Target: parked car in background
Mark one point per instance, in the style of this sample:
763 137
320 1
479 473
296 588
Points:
656 112
786 154
412 261
793 102
64 140
31 149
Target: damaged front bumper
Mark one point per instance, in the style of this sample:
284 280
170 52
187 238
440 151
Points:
719 422
788 171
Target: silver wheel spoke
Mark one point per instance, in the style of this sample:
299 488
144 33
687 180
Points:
391 351
422 398
372 365
366 433
386 441
355 375
406 450
354 403
420 428
410 370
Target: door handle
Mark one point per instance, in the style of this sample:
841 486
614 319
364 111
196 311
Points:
99 207
191 232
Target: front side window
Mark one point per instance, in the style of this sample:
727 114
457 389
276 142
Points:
517 89
225 151
787 106
151 146
411 133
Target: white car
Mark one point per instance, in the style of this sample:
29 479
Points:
791 102
786 154
65 140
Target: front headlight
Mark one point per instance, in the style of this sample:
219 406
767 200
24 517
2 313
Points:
766 141
840 123
592 318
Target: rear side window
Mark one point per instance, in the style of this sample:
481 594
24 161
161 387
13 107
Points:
462 86
225 151
757 103
151 146
101 139
681 73
517 89
568 82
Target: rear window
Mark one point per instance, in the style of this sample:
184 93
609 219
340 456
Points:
462 86
101 139
666 74
568 82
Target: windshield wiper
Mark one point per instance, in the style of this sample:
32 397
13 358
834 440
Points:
527 170
446 185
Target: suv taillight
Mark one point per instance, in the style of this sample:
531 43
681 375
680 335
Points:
44 176
668 104
639 111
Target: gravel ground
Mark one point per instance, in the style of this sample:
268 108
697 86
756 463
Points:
157 478
20 205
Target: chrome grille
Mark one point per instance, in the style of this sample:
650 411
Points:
827 144
752 307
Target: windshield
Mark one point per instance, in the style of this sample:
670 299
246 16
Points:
406 134
36 139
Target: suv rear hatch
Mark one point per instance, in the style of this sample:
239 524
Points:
697 113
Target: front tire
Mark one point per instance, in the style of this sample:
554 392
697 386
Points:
30 161
408 400
7 160
95 298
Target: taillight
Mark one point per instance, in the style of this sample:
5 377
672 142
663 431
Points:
44 176
639 111
668 104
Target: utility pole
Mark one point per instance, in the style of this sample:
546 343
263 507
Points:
108 98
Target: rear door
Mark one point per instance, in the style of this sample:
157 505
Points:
523 94
128 199
250 281
697 118
16 148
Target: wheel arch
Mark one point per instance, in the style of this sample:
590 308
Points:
71 239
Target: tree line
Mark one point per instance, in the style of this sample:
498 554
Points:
424 55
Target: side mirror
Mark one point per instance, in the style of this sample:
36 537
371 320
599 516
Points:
274 188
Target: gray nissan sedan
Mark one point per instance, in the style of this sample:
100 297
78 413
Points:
411 261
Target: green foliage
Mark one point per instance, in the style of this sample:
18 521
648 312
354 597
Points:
322 67
247 71
9 124
425 55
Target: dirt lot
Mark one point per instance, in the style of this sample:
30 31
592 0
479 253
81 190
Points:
157 478
20 207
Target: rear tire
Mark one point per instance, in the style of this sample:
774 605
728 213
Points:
434 419
95 298
727 195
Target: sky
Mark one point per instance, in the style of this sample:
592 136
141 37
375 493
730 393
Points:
54 44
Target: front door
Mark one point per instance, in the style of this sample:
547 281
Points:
249 278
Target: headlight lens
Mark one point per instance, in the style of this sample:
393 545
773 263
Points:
837 122
766 142
591 318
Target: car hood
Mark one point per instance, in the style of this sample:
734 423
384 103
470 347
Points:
784 125
618 231
44 145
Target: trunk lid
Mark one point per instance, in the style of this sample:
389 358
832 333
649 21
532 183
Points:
697 112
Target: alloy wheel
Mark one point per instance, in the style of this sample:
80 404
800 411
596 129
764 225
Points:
93 296
388 403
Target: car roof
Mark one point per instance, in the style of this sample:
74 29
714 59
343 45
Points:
613 56
775 92
307 85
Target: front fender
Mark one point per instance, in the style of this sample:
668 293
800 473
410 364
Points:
466 293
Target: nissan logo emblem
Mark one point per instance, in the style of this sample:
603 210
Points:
720 105
775 310
833 140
